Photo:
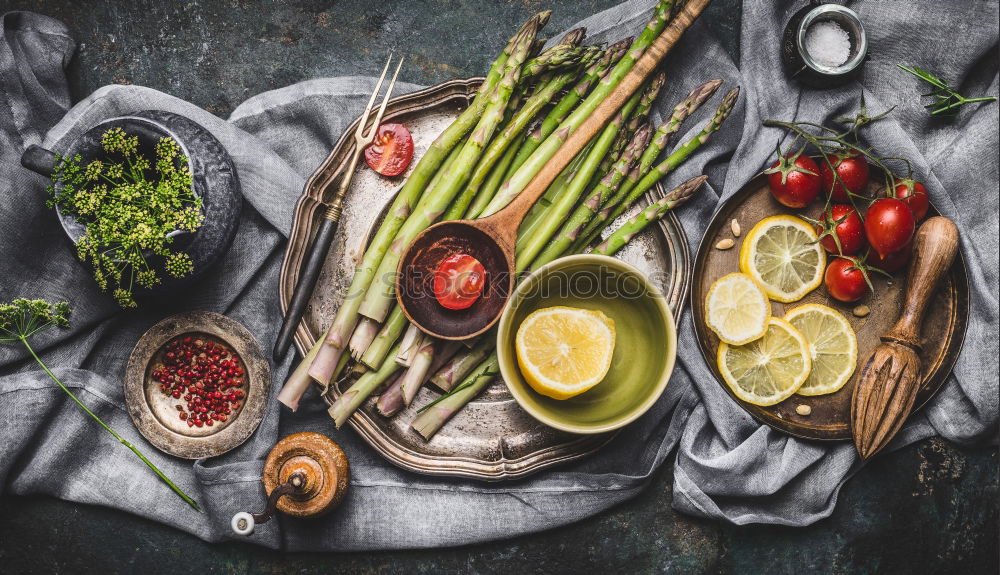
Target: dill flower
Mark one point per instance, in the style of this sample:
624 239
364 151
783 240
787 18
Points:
128 204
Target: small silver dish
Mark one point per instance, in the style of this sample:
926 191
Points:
801 65
155 414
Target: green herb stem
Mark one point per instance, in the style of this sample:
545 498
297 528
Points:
24 340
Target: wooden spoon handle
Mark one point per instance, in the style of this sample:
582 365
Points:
934 249
518 208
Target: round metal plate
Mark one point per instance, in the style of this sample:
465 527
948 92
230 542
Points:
943 329
492 438
155 414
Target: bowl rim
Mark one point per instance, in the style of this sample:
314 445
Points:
837 12
136 383
508 362
69 223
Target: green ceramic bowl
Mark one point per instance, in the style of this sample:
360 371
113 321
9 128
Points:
645 345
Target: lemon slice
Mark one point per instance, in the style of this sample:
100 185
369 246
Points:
767 370
783 255
833 347
564 351
736 309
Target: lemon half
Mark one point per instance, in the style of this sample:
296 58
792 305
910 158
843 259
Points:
564 351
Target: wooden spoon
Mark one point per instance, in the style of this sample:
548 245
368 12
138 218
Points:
491 240
890 380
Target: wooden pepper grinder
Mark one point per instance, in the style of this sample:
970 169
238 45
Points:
305 475
891 379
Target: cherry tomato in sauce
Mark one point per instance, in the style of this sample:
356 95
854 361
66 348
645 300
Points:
391 151
459 281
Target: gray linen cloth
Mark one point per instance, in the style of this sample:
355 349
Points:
727 466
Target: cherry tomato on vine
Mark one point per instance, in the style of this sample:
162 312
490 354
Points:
459 281
853 171
391 151
844 280
892 262
847 225
794 180
889 226
914 194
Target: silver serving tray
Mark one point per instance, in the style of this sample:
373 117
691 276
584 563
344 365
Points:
491 439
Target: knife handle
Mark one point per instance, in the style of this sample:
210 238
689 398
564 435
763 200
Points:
307 281
934 249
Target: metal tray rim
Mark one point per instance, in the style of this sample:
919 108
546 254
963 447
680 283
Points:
364 424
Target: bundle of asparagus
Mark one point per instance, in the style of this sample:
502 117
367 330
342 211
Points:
476 167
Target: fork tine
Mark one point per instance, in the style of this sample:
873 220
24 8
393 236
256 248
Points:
385 99
368 109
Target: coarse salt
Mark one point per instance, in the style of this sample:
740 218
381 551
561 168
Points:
828 43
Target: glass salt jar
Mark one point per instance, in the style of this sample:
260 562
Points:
824 45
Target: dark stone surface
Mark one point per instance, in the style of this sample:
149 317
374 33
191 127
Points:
217 53
930 508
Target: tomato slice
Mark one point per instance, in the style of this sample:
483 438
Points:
459 281
391 151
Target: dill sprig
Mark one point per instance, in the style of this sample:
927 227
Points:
22 318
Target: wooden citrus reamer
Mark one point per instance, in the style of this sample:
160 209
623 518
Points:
890 380
493 238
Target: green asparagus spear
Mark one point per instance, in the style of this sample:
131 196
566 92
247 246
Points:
355 395
682 110
684 150
659 141
585 211
326 360
462 363
648 215
636 119
548 148
375 355
390 401
536 237
433 203
574 37
593 74
558 186
433 416
493 181
415 375
654 174
559 57
498 147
